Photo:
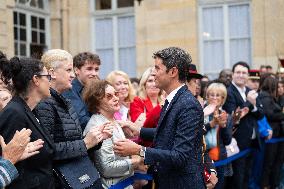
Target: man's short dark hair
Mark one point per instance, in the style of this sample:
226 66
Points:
85 57
268 67
175 57
240 63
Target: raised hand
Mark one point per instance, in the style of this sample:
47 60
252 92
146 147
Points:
14 150
32 149
251 97
107 130
222 121
209 109
93 137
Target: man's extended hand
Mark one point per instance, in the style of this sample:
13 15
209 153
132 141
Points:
126 147
130 128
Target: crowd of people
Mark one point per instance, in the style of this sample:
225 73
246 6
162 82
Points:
67 128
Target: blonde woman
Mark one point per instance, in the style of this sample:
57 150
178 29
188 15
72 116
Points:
59 118
148 102
121 82
218 127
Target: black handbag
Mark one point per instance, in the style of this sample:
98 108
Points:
78 173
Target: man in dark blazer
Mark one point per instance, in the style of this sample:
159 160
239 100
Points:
246 130
176 157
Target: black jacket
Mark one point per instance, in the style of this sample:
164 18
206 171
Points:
36 171
248 122
58 117
272 111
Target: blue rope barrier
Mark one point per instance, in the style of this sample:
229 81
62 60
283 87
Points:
232 158
130 180
140 176
275 140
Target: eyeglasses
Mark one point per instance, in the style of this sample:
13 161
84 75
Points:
46 75
217 95
111 96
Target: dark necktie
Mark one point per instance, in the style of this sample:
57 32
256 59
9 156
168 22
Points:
165 105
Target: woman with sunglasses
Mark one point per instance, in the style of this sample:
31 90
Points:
59 118
30 85
102 100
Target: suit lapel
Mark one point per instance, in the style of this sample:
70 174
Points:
33 120
238 93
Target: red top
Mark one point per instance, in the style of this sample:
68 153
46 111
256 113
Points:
139 106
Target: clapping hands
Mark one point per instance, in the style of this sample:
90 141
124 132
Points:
20 147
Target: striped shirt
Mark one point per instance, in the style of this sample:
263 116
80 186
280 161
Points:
8 172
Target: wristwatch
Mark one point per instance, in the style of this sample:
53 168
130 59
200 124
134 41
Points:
142 152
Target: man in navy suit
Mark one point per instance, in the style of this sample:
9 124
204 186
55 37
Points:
251 110
176 157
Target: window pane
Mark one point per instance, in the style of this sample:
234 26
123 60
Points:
22 19
22 1
103 4
23 35
42 38
41 24
36 50
212 23
107 65
15 33
240 51
40 4
125 3
127 61
104 32
34 22
15 18
213 56
33 3
34 37
16 48
23 50
239 21
126 31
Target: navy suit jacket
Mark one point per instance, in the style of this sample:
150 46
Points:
176 157
245 128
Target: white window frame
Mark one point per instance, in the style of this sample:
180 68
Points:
113 13
39 13
224 4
